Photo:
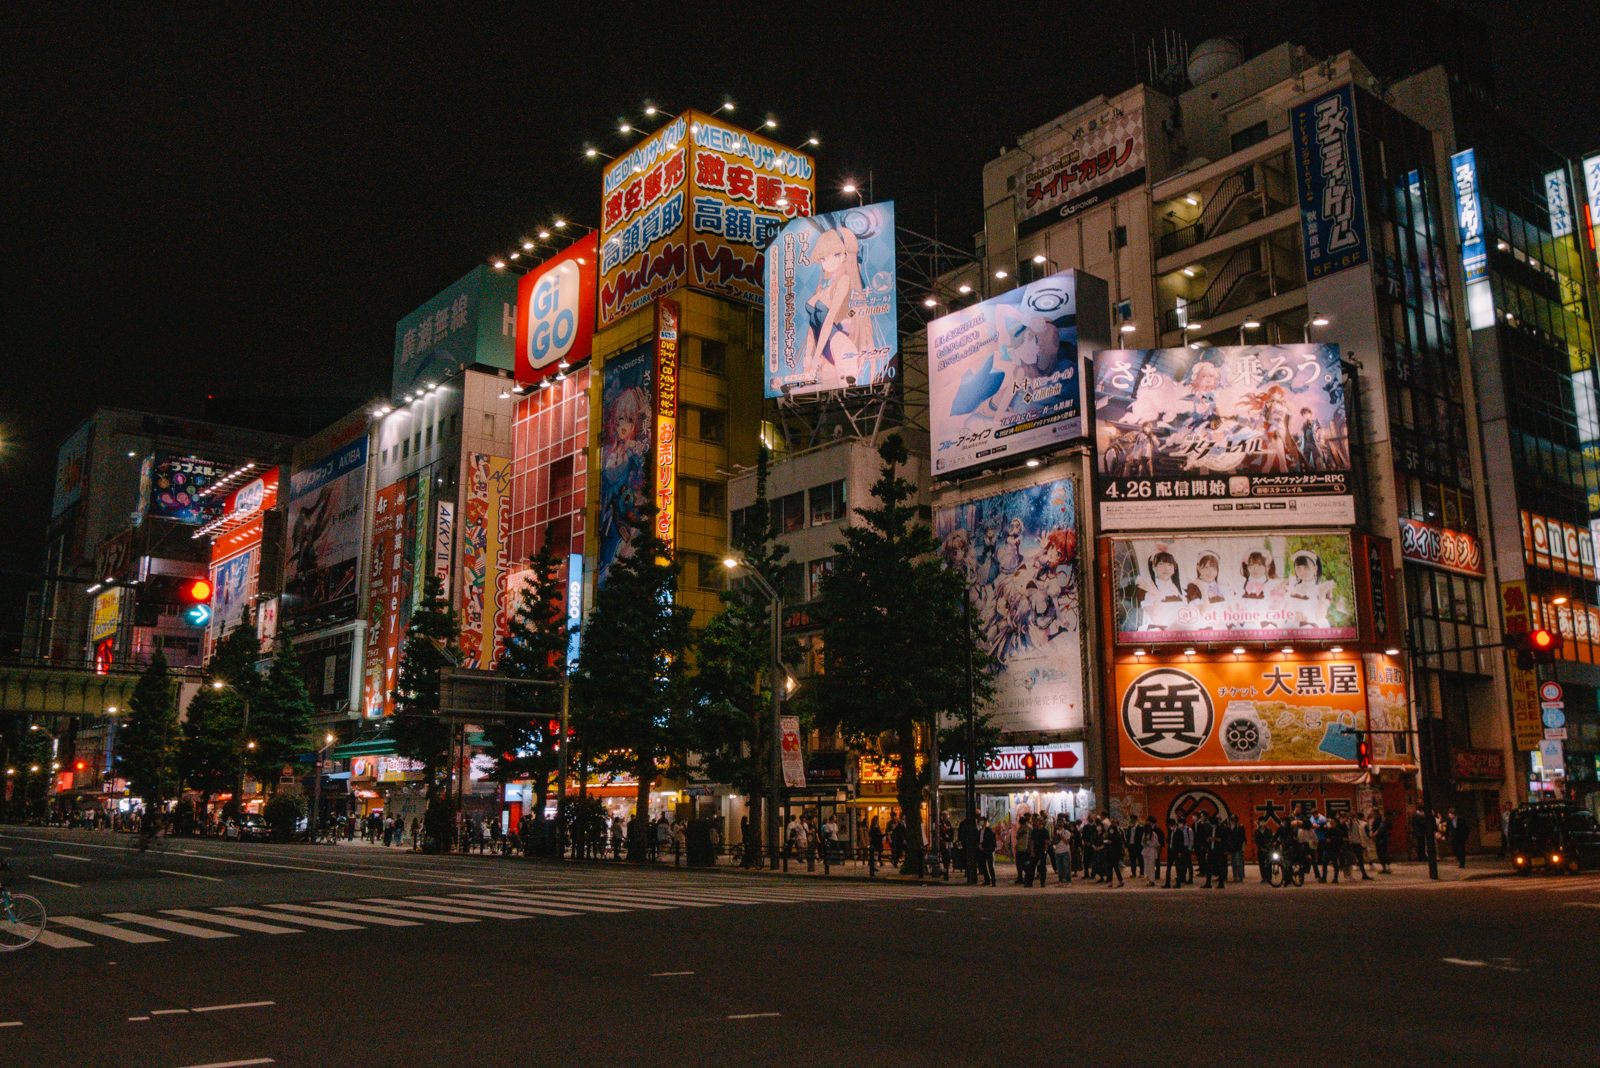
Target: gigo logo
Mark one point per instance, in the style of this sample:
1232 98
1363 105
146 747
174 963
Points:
553 316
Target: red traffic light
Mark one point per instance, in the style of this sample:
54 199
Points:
80 765
1363 752
1541 641
1030 767
197 591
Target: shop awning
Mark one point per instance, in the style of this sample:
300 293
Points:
365 747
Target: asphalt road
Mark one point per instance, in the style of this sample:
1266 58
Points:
224 953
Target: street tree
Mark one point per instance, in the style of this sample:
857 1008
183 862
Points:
896 639
419 732
280 718
630 691
212 743
144 747
536 651
730 713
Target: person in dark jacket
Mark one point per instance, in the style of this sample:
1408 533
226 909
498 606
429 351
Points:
1040 838
1459 830
967 834
988 842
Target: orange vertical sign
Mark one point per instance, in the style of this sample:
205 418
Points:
666 420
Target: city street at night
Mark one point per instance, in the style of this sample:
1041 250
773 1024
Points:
228 953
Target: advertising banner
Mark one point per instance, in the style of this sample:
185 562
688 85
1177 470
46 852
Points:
1239 436
626 417
1251 588
1388 709
574 609
643 224
325 516
794 764
472 321
389 593
107 614
1469 216
555 311
831 302
444 535
178 489
485 535
71 468
1558 202
1006 376
1591 185
1527 720
1106 157
1059 760
1239 714
1019 552
233 589
1327 166
1447 550
742 186
666 421
1558 546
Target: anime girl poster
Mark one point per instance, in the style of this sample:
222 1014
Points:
831 302
1004 375
627 423
1019 551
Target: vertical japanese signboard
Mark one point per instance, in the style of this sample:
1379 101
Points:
643 205
1469 216
831 302
666 428
1591 207
326 500
1327 166
1558 202
485 530
389 593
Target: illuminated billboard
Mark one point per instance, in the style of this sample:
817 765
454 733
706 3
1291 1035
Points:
1241 436
665 433
1269 587
71 470
325 516
469 322
1019 553
694 204
626 425
178 488
1282 714
555 312
1327 167
390 576
1105 157
485 535
1006 376
830 302
1591 185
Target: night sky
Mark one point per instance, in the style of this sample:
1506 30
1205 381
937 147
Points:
234 199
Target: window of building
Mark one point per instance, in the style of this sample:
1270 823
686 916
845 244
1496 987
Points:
455 422
427 436
1248 136
789 513
827 503
792 584
405 448
709 572
488 424
1119 237
416 442
711 498
819 572
713 425
713 356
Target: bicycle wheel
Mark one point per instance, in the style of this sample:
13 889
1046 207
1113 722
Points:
1275 874
21 922
1298 873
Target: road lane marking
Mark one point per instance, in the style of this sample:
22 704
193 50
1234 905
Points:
235 1005
11 1023
170 926
55 882
189 875
105 930
308 921
362 908
339 914
233 1064
560 897
471 908
137 1019
754 1015
52 940
70 856
169 1012
660 975
503 901
231 921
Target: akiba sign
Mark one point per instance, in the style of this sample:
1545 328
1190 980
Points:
555 312
1060 760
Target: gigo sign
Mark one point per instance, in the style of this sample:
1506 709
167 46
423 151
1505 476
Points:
555 313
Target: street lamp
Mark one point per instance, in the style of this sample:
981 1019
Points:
1248 324
316 803
1316 320
775 782
244 731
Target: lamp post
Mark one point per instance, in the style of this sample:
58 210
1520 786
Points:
244 746
775 782
1315 320
316 794
1248 324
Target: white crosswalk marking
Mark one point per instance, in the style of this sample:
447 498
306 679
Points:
104 930
344 914
565 901
170 926
231 921
51 940
441 910
476 909
379 911
304 921
563 896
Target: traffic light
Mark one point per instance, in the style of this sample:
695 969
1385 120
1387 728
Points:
80 765
1535 647
1030 766
1363 751
196 595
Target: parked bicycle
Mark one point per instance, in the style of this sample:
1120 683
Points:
1286 869
22 917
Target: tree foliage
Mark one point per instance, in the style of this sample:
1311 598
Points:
536 651
145 742
896 640
280 718
419 733
214 734
630 691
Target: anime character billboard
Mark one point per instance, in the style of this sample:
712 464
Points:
627 423
326 502
1005 376
1019 551
831 296
1238 436
1251 588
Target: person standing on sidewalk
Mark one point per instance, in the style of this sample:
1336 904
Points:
1380 839
967 834
1235 838
1022 846
988 841
1459 830
874 848
1152 850
1040 839
1115 843
1180 847
1063 851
